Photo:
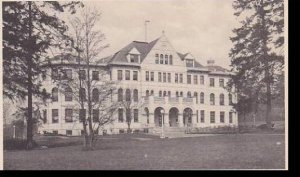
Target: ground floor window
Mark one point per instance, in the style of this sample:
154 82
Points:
82 114
55 132
202 116
54 115
212 117
136 115
120 115
95 115
69 132
230 117
69 115
222 117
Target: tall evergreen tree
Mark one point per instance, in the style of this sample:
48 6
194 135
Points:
257 54
29 29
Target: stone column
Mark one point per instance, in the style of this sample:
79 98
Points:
166 119
180 120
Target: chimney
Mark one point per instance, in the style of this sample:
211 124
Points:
210 62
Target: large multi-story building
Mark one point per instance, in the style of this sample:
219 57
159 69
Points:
170 84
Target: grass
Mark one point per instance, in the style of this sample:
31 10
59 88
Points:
144 152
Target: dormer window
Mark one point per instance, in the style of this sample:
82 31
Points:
156 59
166 59
161 58
134 58
189 63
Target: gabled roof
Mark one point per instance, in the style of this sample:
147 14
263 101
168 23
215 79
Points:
143 47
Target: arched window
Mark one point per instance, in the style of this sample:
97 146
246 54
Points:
68 94
156 59
230 98
221 99
135 95
202 98
160 93
55 94
82 94
196 96
152 92
171 60
181 94
147 93
161 58
165 93
166 59
120 94
212 99
189 95
177 94
95 95
128 95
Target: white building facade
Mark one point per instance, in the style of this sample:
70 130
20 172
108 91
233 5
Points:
169 84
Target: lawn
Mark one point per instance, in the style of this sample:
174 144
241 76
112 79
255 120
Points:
144 152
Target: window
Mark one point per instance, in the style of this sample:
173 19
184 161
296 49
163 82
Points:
189 95
221 82
135 75
134 58
202 98
164 77
95 75
159 76
161 59
82 94
120 94
95 95
82 114
82 75
202 80
176 78
135 95
156 59
147 93
166 59
211 82
181 94
212 117
152 92
120 75
67 74
212 99
55 94
95 115
45 116
136 115
68 94
160 93
181 78
54 74
177 94
196 96
120 115
169 93
221 99
152 76
169 77
202 116
230 117
128 95
189 62
165 93
171 60
127 75
195 79
69 115
69 132
54 115
128 115
147 76
189 79
230 99
222 117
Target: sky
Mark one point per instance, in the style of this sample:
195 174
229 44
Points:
201 27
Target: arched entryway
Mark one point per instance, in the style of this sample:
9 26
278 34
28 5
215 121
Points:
158 116
187 116
173 117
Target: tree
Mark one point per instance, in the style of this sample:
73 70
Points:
29 29
86 46
257 57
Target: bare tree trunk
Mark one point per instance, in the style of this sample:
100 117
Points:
29 143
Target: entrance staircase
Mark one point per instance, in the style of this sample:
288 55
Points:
170 132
